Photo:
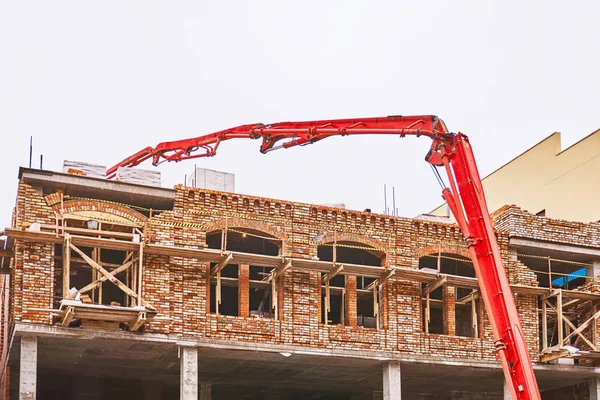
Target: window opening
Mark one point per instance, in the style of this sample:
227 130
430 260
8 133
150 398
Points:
465 304
226 287
367 308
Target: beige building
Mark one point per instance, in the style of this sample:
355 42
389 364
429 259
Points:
546 180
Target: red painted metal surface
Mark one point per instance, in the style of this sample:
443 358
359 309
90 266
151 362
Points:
465 198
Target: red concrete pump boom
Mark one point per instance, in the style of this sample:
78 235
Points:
465 198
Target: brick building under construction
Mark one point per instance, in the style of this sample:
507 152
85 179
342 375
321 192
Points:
115 290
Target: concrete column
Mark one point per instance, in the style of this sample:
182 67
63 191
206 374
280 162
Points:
205 391
244 290
188 380
507 395
391 381
28 374
594 269
594 388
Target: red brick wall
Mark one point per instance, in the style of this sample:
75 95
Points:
179 288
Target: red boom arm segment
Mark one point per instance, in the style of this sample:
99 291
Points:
465 198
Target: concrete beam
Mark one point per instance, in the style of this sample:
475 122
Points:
594 270
28 368
188 381
84 186
565 250
391 381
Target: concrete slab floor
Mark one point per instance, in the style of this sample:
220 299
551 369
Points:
121 368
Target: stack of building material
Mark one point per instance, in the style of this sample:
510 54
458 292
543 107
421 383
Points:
212 180
139 176
85 169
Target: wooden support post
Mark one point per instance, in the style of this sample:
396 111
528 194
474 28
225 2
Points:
376 305
439 282
274 298
343 308
66 266
221 264
140 274
544 325
327 302
595 326
427 315
559 318
68 317
97 254
549 274
218 293
474 315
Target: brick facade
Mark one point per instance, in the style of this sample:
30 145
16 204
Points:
179 288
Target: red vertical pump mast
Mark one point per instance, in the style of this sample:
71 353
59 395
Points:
465 199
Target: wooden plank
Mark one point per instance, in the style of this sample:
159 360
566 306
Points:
544 325
221 264
560 318
68 317
547 357
92 232
138 321
6 253
31 236
333 272
109 244
66 267
439 282
578 330
110 278
140 273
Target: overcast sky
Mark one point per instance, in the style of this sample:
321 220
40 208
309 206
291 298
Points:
99 80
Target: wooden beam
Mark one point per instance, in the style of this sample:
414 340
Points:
138 321
104 278
578 330
276 272
68 317
546 357
560 318
544 325
439 282
382 279
332 273
221 264
140 273
92 232
66 266
110 278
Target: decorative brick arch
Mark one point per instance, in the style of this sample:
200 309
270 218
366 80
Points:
103 207
379 248
435 249
241 223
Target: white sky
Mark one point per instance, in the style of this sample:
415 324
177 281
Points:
99 80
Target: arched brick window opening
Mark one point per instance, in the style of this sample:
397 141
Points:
244 289
446 309
353 300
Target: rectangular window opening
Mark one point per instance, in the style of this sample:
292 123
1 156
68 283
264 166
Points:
229 291
260 296
365 303
433 314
